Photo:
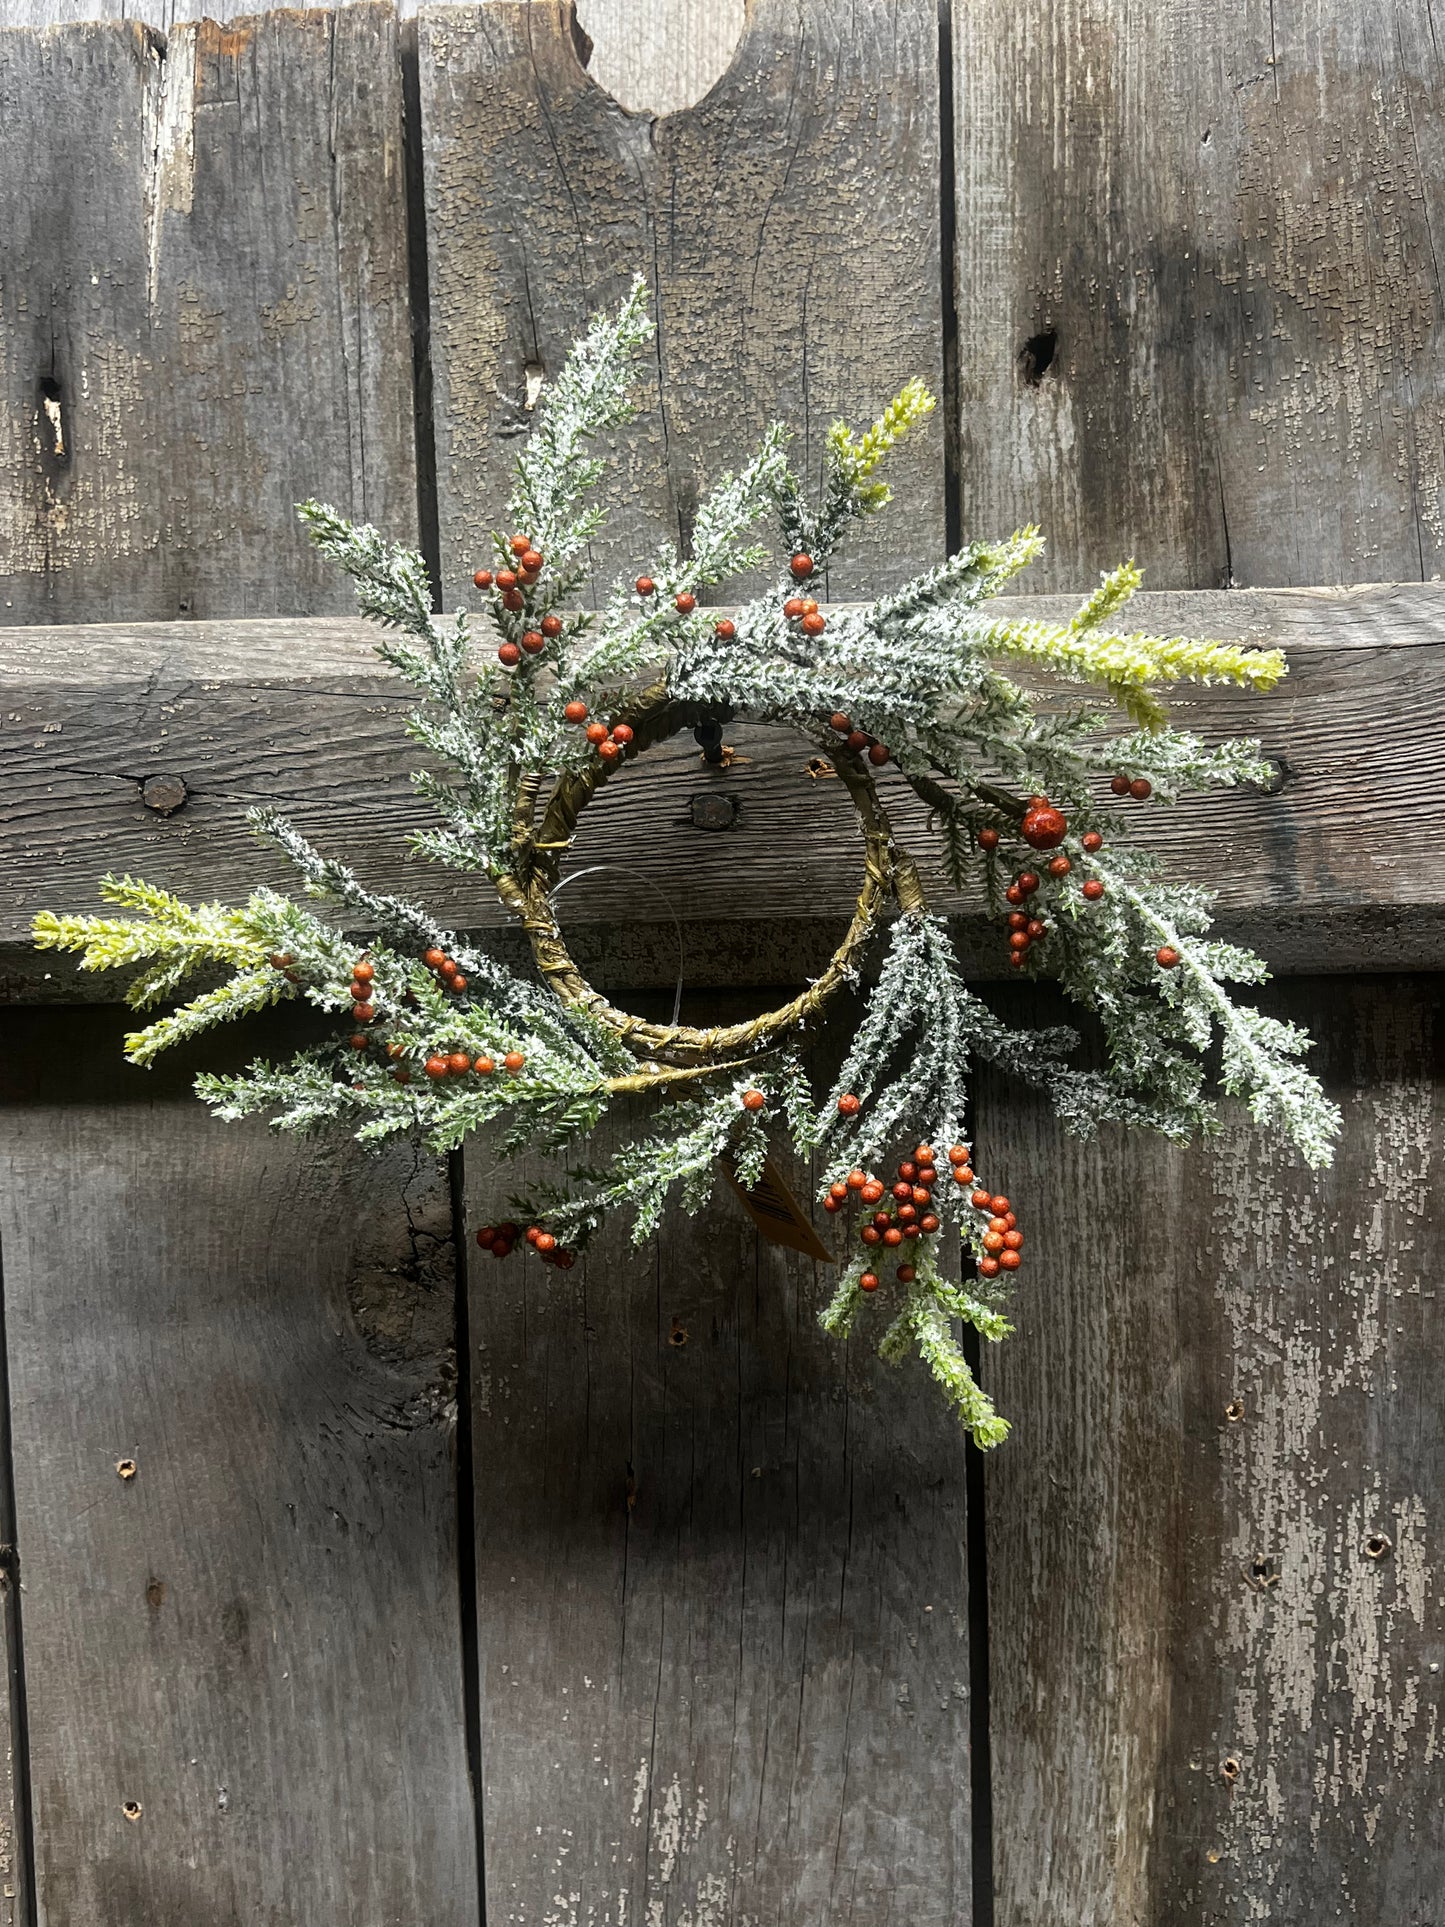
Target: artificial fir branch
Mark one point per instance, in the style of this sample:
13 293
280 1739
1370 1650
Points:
532 702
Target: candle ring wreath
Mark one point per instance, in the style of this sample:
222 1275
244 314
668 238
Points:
529 708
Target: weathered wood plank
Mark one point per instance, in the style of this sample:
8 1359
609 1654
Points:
1210 1702
1342 865
1214 225
255 1638
792 275
721 1594
204 316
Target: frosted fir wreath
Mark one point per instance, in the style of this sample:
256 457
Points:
534 704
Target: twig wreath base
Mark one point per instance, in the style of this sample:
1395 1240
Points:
436 1039
667 1049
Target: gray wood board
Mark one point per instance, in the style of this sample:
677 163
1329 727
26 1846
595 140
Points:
1341 865
1226 1378
1224 217
205 315
788 225
255 1639
721 1593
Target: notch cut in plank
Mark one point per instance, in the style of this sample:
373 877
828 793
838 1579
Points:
254 1640
205 317
792 275
1198 298
1342 866
720 1562
1215 1691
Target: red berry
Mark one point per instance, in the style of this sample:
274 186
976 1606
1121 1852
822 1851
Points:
958 1154
531 560
551 625
1019 941
1028 882
856 1179
857 740
684 603
360 992
1018 958
989 1267
999 1205
988 840
993 1242
363 1013
513 1061
459 1063
907 1214
903 1189
610 752
436 1067
868 1282
802 566
1119 785
925 1153
1166 956
1141 788
1037 928
839 722
646 585
849 1105
1044 827
1014 894
1092 841
814 624
483 578
1014 1239
434 958
363 972
1093 889
564 1259
1059 866
576 712
981 1201
545 1241
872 1191
1018 919
597 732
484 1066
513 599
882 1219
360 1040
928 1222
793 607
908 1169
870 1234
487 1236
893 1235
622 733
878 755
920 1194
1010 1260
839 1190
753 1100
502 1248
509 653
998 1224
810 608
906 1274
831 1203
520 544
726 629
402 1074
534 642
506 579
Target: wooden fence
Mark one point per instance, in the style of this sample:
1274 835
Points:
345 1586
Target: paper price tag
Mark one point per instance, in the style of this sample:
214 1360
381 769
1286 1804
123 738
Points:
777 1214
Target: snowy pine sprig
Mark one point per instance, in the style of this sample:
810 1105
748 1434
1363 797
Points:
1025 739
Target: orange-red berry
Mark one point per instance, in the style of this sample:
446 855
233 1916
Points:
815 624
646 585
551 625
484 1066
1093 889
868 1282
509 653
436 1067
576 712
878 755
753 1100
513 1061
839 722
1010 1260
534 642
849 1105
726 629
684 603
1059 866
622 733
1092 841
1141 788
988 840
802 566
1166 956
459 1063
483 578
597 732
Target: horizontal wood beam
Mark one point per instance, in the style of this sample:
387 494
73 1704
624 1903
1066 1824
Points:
140 748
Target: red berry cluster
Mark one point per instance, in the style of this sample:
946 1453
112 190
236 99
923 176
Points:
1044 827
805 612
1002 1241
500 1238
858 740
610 744
684 601
511 585
363 1007
1139 787
283 961
908 1218
460 1063
445 969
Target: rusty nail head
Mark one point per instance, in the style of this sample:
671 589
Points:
163 794
710 811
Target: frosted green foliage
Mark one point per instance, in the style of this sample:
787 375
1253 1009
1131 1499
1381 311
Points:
960 685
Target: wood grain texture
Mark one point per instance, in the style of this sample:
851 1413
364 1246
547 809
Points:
1223 216
204 317
1342 865
255 1638
792 273
721 1594
1210 1703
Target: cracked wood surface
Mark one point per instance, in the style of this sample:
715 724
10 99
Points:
1341 868
204 316
1216 1695
255 1638
790 276
1216 224
720 1564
